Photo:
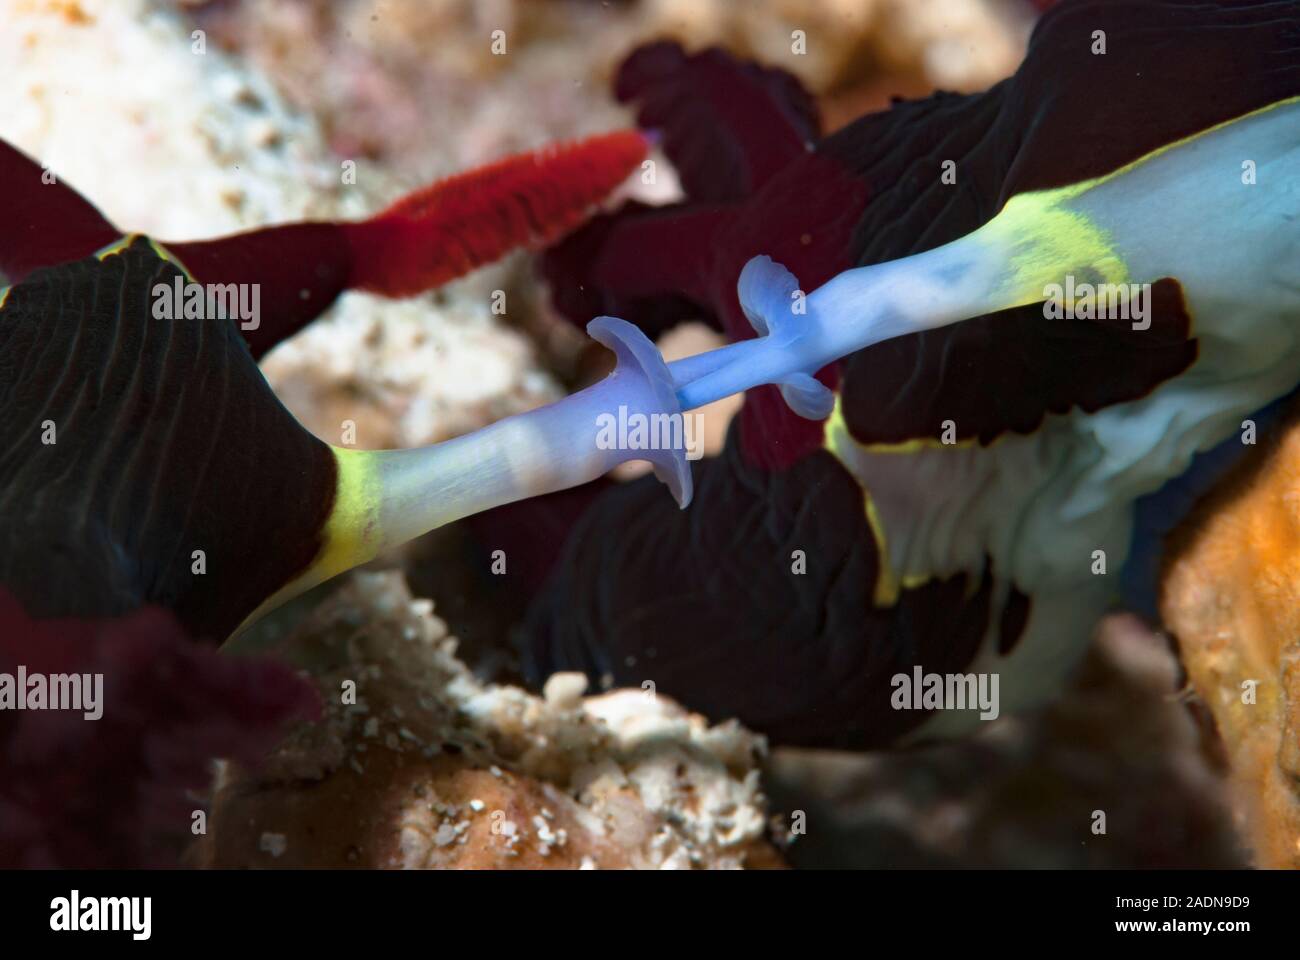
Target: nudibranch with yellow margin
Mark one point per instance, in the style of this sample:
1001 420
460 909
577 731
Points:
137 428
385 498
154 492
1124 229
1068 491
184 450
1004 448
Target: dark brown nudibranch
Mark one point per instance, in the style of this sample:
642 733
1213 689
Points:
146 461
150 464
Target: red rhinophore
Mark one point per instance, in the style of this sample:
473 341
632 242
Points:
430 237
436 234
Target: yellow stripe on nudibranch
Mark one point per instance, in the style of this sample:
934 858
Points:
1042 233
888 587
1085 185
1037 239
917 444
117 246
889 584
351 534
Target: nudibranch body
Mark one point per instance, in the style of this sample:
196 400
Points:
994 437
1053 511
148 463
939 465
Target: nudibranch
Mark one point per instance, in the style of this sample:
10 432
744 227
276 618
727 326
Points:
154 492
137 430
951 457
